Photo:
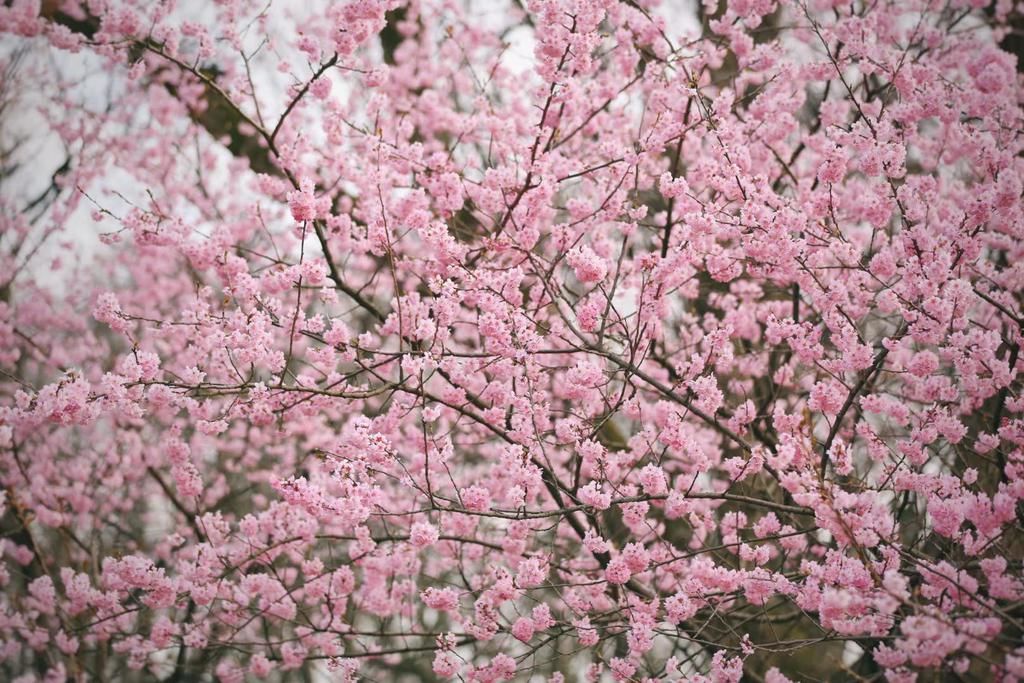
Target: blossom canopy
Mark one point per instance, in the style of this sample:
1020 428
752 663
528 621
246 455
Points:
623 340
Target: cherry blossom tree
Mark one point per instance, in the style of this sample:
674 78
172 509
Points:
485 341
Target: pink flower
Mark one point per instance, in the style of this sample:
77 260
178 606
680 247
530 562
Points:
592 495
321 89
828 397
652 478
423 534
833 168
617 572
588 266
446 664
679 608
304 204
475 498
587 634
444 599
523 629
532 572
